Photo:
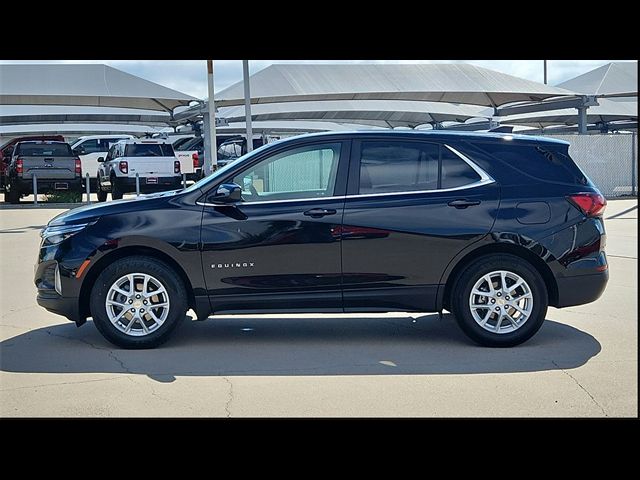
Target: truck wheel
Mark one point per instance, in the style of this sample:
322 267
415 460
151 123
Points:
499 300
116 193
102 195
138 302
11 195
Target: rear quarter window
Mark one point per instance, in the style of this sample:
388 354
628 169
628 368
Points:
549 163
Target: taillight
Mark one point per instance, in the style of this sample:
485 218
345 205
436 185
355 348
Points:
176 166
591 204
78 167
124 167
19 165
196 160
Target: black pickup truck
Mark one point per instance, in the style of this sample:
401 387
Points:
53 164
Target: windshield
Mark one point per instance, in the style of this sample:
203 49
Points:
205 182
191 144
44 150
149 150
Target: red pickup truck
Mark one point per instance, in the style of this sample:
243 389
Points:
6 150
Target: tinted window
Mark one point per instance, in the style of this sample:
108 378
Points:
149 150
304 172
193 144
545 162
230 150
455 171
105 143
398 167
44 150
90 146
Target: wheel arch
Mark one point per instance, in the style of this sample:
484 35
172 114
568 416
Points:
127 251
518 250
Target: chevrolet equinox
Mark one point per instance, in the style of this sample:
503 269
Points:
491 227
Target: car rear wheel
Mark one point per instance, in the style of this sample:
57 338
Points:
137 302
500 300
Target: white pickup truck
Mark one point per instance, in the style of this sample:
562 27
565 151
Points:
152 161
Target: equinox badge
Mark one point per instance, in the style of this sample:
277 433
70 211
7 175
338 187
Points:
233 265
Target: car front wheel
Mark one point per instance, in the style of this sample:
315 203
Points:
137 302
102 195
500 300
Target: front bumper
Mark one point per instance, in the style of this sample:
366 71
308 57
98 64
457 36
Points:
65 306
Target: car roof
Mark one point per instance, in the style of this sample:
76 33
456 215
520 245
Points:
43 142
140 141
98 137
442 135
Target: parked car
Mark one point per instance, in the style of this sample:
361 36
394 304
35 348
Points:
91 147
153 161
6 151
491 227
53 164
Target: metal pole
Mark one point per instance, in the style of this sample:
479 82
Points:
88 186
247 104
211 131
634 164
35 189
184 180
137 185
545 72
582 120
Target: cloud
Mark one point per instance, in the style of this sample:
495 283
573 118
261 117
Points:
190 76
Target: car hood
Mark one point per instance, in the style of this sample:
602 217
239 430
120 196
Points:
89 213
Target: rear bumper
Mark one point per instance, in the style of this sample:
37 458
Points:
48 185
581 289
164 183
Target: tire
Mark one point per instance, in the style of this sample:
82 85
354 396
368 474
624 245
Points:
102 195
11 195
512 332
116 193
155 333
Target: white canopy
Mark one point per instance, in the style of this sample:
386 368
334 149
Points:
454 83
80 84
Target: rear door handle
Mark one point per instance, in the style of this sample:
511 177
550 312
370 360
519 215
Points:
320 212
463 203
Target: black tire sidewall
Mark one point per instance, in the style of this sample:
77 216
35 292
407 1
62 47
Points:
116 194
482 266
141 264
101 194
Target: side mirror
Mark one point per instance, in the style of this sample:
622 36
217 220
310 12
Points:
226 193
100 159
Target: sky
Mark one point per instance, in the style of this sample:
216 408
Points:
190 76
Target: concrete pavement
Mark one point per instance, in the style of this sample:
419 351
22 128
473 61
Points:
583 362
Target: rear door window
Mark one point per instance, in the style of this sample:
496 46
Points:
396 166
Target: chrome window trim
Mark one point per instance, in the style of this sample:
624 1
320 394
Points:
485 179
262 202
483 175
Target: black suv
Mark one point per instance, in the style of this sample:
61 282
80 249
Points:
491 227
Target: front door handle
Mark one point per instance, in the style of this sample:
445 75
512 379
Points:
320 212
463 203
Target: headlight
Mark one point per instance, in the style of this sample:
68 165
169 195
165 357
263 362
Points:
55 235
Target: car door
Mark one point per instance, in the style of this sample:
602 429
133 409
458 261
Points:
279 248
411 207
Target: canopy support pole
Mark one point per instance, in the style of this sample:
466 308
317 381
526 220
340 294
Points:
247 104
210 126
